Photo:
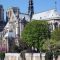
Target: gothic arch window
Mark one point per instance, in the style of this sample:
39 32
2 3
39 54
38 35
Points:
10 30
52 14
40 17
56 25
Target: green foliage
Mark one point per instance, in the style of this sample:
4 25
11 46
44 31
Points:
53 43
49 55
2 55
49 44
22 46
56 34
35 33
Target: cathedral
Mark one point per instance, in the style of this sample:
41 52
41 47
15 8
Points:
2 24
16 22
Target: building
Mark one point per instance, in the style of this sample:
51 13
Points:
28 56
1 13
2 22
52 16
15 25
2 25
31 9
16 22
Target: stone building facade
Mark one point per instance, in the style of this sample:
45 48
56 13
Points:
16 22
2 25
15 25
51 16
2 22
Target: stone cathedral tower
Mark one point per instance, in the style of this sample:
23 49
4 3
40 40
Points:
30 9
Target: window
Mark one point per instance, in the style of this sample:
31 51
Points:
56 25
10 30
40 17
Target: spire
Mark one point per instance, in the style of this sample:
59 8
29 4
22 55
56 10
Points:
30 9
55 2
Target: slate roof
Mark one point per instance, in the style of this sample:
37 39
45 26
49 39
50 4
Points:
47 15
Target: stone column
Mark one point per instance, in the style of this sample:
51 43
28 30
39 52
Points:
43 56
36 56
58 57
53 26
28 56
53 57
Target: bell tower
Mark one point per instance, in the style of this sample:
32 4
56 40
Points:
31 9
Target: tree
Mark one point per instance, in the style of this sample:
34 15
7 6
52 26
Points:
54 42
2 55
22 46
56 34
53 46
49 45
35 33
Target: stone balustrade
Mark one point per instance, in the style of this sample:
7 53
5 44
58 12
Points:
28 56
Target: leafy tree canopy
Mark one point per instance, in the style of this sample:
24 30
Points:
56 34
49 45
52 45
35 33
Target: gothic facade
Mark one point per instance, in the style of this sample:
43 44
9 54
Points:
15 25
2 25
51 16
16 22
2 22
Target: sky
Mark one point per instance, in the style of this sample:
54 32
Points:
39 5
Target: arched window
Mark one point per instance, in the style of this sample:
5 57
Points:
40 17
56 25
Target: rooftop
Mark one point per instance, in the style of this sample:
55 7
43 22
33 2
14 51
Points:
51 14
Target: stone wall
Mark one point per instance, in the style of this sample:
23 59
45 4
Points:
28 56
